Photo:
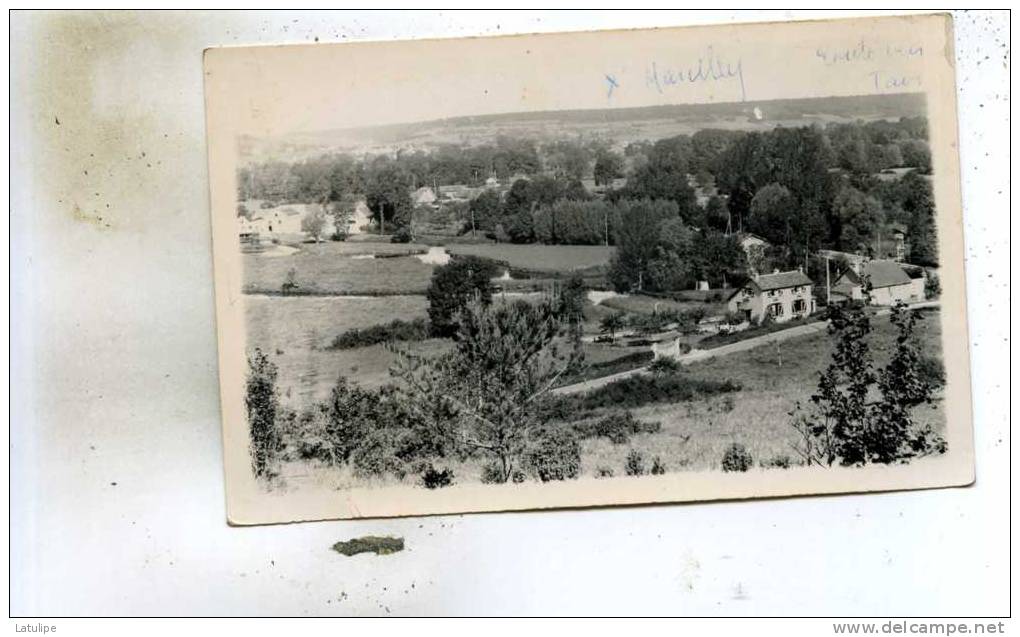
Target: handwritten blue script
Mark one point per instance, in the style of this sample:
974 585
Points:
710 67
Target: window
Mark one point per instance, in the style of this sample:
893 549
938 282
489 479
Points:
799 306
775 309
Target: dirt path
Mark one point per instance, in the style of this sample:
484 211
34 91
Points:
704 354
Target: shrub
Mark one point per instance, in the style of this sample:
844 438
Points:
402 235
290 284
781 461
635 391
664 366
617 427
931 370
395 330
658 467
432 478
635 465
373 456
262 404
555 454
737 458
492 473
603 472
932 286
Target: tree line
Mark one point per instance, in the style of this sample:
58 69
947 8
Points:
801 188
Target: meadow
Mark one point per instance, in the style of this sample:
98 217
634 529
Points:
296 330
547 258
695 434
378 268
337 267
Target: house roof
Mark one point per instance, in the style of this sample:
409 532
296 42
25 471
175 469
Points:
780 280
744 236
883 274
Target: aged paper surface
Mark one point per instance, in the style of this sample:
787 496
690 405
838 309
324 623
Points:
305 266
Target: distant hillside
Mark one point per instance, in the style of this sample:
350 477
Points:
620 125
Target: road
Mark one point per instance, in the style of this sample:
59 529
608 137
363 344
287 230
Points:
704 354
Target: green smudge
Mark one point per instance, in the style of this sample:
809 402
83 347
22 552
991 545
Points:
370 544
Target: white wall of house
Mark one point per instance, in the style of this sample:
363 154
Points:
906 293
782 305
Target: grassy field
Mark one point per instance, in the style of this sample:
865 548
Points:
307 370
334 268
337 267
695 435
540 257
641 304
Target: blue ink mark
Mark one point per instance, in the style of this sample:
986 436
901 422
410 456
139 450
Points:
613 84
709 68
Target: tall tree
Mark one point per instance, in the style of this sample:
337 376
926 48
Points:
261 403
507 359
388 195
453 286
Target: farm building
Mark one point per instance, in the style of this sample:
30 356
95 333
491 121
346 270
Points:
891 282
424 196
780 296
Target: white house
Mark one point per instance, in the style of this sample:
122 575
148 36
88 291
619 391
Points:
424 196
780 296
890 282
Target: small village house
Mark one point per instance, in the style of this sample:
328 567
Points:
754 248
890 282
424 196
780 296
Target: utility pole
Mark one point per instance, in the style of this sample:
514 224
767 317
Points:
828 288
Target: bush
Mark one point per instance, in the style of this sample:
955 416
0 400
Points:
782 461
932 286
395 330
664 366
603 472
555 454
635 391
431 478
658 468
635 465
373 456
402 235
617 427
492 473
290 284
931 370
737 458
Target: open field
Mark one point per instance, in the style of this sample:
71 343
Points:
695 435
376 268
341 268
307 370
556 258
641 304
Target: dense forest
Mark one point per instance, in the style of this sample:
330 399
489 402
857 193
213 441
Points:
674 207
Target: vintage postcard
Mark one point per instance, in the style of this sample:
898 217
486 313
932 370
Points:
588 269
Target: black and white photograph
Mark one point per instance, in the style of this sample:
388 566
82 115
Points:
618 296
345 313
